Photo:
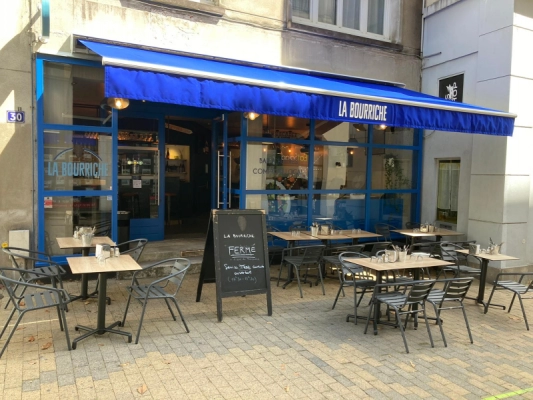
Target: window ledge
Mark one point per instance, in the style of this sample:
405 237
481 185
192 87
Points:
200 8
343 36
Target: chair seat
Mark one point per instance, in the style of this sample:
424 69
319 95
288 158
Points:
360 283
513 286
436 296
394 299
43 299
47 270
332 260
154 292
299 260
463 268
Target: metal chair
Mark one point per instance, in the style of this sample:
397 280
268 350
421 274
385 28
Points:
273 249
353 275
461 261
403 303
384 230
159 289
454 291
302 258
41 297
25 259
133 247
331 256
518 288
371 248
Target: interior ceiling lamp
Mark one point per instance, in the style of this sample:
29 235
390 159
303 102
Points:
251 115
383 127
118 103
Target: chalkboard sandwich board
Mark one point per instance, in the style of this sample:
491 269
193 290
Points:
236 256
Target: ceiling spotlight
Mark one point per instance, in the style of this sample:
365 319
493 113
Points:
118 102
251 115
383 127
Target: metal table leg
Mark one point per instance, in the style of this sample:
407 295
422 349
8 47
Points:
100 326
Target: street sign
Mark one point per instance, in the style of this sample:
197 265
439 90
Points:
16 116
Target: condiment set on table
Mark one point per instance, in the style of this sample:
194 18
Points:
427 228
493 249
85 233
397 254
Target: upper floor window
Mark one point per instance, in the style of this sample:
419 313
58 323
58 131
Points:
360 17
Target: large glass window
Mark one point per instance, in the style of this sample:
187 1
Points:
360 17
63 213
448 190
276 127
393 169
339 167
277 166
74 95
77 160
344 211
391 208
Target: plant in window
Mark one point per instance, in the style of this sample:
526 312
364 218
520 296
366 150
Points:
394 177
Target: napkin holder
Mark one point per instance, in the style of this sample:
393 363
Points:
474 249
98 250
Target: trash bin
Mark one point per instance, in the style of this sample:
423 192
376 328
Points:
123 227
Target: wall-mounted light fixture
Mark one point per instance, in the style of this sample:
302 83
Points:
251 115
118 102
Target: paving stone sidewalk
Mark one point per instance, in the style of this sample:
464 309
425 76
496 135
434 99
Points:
304 350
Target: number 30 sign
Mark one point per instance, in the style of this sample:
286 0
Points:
16 116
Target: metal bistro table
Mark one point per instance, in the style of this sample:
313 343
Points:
291 240
485 258
288 237
379 268
88 265
438 234
71 243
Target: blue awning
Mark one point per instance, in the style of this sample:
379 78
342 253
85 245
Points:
140 74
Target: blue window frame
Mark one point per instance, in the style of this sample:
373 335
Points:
63 152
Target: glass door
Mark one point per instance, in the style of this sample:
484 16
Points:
139 176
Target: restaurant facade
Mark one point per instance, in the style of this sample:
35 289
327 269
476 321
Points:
169 109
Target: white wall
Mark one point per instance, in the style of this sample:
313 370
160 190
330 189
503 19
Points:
490 44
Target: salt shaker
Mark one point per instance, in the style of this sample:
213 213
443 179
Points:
117 252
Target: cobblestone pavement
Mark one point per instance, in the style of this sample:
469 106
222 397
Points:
304 350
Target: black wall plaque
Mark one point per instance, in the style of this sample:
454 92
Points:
452 88
236 256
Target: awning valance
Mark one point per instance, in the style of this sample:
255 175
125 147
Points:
140 74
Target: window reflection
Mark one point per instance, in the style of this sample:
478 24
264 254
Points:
277 166
77 160
343 211
339 167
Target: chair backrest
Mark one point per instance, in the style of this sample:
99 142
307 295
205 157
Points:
412 225
433 248
298 227
358 248
26 258
456 289
312 254
419 291
133 247
379 246
12 278
448 251
102 228
384 230
349 267
178 271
